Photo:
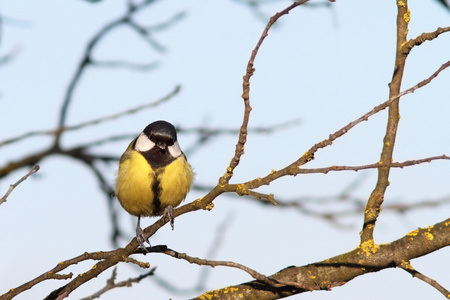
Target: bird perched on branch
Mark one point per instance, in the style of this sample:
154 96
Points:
154 175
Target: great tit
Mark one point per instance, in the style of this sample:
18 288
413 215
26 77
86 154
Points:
154 175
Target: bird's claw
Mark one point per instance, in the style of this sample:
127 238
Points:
140 237
168 212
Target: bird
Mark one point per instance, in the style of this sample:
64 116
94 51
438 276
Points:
154 175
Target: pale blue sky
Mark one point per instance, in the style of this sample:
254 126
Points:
323 66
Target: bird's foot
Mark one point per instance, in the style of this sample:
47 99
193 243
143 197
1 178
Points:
168 213
140 237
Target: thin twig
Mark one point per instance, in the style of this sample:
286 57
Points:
7 58
136 109
146 36
373 166
124 64
214 263
208 134
306 205
166 24
111 284
255 129
410 269
13 186
95 121
242 139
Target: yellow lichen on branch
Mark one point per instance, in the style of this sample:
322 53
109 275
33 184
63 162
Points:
369 247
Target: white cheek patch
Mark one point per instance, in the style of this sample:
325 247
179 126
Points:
175 150
143 143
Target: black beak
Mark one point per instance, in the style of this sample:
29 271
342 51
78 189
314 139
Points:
162 145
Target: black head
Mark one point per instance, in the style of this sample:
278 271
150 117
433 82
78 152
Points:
162 133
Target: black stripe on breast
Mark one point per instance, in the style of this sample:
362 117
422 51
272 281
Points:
156 188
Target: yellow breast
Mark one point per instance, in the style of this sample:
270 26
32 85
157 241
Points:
175 183
135 186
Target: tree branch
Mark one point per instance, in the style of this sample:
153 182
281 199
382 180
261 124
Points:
336 271
373 207
426 36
